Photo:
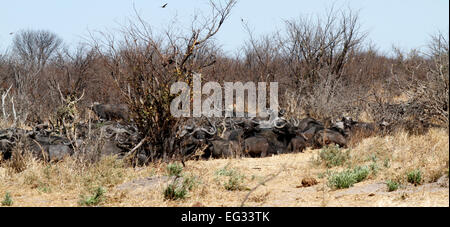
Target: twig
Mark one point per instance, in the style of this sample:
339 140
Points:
44 156
14 111
261 183
3 103
133 151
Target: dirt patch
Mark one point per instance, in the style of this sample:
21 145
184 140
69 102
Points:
363 189
443 181
148 183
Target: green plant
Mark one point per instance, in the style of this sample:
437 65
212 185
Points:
360 173
414 177
190 181
174 192
392 185
174 169
235 179
343 179
7 201
44 187
321 175
333 156
225 171
93 200
234 182
325 174
374 168
180 185
347 178
372 157
386 163
47 172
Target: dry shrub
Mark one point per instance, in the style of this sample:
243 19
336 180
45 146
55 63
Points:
423 81
144 66
329 99
20 157
318 53
359 135
431 93
17 163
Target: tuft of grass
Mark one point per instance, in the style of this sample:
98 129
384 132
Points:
343 179
414 177
175 192
327 173
374 168
372 157
392 185
179 189
234 183
333 156
190 181
348 178
7 201
387 163
360 173
235 179
174 169
225 171
18 161
45 188
93 200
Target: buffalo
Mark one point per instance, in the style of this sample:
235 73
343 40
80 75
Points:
297 144
256 146
111 111
308 127
50 152
221 148
327 136
352 128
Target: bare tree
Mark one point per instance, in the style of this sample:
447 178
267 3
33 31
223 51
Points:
317 52
35 47
30 54
312 45
144 66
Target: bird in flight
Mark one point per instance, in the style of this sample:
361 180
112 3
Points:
164 6
11 33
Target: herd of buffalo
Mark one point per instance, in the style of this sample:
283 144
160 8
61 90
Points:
210 137
236 137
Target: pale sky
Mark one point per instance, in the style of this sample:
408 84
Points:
404 23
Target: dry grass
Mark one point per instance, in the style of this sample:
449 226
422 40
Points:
429 152
63 183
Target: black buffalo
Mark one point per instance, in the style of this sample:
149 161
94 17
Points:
256 146
111 111
297 144
326 137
